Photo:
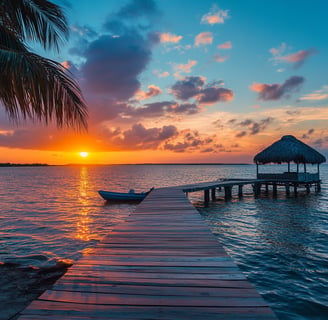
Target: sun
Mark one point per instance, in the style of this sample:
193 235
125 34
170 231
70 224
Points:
84 154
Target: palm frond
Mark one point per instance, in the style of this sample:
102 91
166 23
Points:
35 20
40 89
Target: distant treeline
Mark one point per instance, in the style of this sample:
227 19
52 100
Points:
8 164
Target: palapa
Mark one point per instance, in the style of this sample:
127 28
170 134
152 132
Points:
289 149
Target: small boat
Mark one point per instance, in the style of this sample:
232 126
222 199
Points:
123 196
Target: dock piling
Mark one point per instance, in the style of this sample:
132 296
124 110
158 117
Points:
213 195
240 190
228 192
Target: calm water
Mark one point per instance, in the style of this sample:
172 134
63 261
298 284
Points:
50 214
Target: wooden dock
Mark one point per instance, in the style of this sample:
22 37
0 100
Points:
162 263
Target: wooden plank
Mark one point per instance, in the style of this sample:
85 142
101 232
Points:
150 300
74 310
156 290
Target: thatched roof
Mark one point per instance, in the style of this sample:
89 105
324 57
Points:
289 149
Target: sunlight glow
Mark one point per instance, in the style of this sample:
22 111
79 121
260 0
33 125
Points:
84 154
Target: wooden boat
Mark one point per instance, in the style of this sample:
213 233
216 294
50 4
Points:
123 196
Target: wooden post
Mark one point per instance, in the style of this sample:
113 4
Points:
240 190
274 188
288 166
266 188
257 170
228 192
213 194
287 188
295 188
318 186
206 197
257 189
307 186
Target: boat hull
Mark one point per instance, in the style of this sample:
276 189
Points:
121 196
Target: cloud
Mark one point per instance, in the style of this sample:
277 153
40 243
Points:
255 127
214 94
317 95
194 87
152 92
140 138
319 143
215 16
190 141
241 134
186 68
203 38
220 58
138 8
277 91
113 64
188 87
307 135
161 74
159 109
296 59
225 45
169 37
83 31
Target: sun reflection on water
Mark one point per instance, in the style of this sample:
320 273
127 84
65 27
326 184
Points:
83 224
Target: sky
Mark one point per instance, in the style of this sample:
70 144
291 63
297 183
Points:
185 82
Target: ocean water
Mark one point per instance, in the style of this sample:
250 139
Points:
50 215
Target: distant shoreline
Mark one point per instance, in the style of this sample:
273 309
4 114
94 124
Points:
23 164
119 164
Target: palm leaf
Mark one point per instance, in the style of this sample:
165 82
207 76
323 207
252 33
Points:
40 89
36 20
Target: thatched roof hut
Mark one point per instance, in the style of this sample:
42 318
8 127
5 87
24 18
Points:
289 149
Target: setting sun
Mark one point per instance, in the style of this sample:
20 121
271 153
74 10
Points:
84 154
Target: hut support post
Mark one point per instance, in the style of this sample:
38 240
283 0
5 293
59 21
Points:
240 190
257 189
228 192
288 166
206 197
274 188
318 186
266 188
287 188
213 194
307 186
295 188
257 170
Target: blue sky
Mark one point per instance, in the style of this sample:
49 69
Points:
191 81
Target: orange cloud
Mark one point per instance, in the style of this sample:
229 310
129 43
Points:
297 58
161 74
276 91
67 64
152 92
220 58
185 67
215 16
225 45
317 95
169 37
204 38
